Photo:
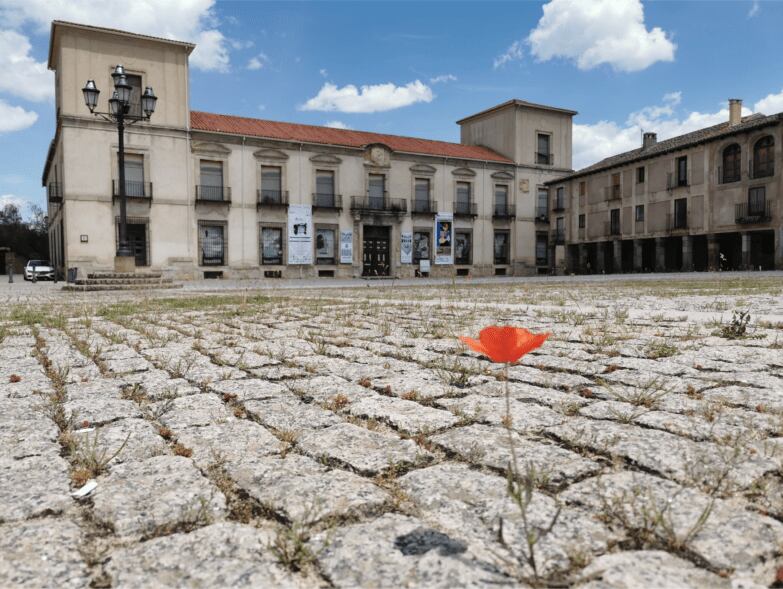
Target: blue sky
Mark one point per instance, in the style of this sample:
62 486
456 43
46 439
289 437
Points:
415 68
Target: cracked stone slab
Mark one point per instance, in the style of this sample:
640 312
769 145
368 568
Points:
232 441
368 452
424 387
29 437
126 365
158 385
732 538
651 569
42 553
290 414
525 417
323 389
489 446
299 488
220 555
280 372
136 439
33 486
158 494
406 416
249 389
100 410
192 411
400 551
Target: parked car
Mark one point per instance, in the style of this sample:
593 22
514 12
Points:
43 270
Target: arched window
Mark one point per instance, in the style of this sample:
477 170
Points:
730 171
763 164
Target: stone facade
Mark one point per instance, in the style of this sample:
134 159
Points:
184 225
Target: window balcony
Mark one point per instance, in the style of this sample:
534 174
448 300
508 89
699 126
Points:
270 198
54 192
332 202
725 176
134 190
213 194
674 181
612 228
379 204
465 209
503 211
546 159
761 168
752 213
612 192
677 222
423 207
542 215
558 237
559 205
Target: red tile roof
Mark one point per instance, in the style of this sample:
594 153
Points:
203 121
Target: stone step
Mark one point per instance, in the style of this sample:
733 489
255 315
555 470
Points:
100 275
135 280
108 287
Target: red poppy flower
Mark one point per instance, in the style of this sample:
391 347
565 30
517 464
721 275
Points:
505 344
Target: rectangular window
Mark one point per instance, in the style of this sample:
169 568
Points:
463 198
542 249
681 213
639 213
560 199
324 246
271 184
324 188
543 155
542 207
682 171
581 221
135 98
211 173
271 245
582 188
421 246
501 199
640 175
462 247
212 243
421 200
501 247
757 201
377 191
614 222
134 175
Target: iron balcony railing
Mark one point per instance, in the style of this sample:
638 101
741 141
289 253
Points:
612 192
542 215
271 198
465 209
675 181
503 211
558 236
547 159
54 192
761 168
677 221
612 227
213 194
133 189
752 212
327 201
728 175
559 204
380 204
423 207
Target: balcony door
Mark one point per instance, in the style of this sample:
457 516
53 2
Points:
377 190
134 175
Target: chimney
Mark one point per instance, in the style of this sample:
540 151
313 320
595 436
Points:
735 111
649 139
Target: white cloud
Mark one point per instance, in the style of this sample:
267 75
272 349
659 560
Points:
373 98
12 199
593 142
239 44
184 20
15 118
770 104
443 78
324 73
336 125
513 53
20 74
754 8
599 32
257 62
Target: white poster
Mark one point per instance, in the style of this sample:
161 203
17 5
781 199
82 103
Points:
444 238
406 248
300 234
346 247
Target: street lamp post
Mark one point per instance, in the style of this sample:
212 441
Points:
119 113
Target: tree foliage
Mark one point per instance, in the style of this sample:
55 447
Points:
27 239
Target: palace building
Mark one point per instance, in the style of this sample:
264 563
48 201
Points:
214 195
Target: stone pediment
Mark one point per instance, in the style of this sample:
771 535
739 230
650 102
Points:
326 159
502 176
209 148
463 172
270 154
423 169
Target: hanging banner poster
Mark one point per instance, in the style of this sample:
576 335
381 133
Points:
444 238
406 248
300 234
346 247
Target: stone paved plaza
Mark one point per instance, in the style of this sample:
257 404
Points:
344 437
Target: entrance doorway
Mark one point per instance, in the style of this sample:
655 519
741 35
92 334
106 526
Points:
137 239
376 251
